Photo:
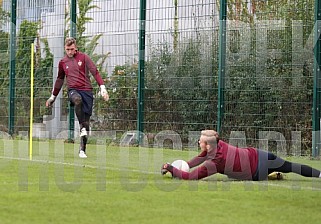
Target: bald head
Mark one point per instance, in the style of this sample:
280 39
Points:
210 136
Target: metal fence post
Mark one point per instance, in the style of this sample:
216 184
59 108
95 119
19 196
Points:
141 68
73 31
12 62
316 82
221 68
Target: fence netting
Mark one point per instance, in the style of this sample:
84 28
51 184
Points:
267 71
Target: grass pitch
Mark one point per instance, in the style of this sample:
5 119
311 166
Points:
124 185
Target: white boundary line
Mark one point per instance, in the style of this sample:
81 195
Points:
264 183
76 165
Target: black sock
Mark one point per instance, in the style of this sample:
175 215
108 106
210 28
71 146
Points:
83 143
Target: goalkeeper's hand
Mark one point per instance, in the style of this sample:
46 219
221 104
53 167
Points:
167 167
103 92
51 100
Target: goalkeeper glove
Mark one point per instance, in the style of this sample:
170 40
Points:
167 167
103 92
51 100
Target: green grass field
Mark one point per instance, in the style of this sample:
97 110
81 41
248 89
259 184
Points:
124 185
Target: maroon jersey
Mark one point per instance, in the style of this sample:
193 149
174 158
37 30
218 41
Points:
76 70
238 163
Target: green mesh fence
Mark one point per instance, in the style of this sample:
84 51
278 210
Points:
181 66
266 75
269 73
4 70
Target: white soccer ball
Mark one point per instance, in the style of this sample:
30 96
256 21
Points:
181 165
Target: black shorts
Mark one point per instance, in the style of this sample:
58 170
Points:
267 163
87 100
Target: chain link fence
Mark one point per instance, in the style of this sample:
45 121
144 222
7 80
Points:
249 75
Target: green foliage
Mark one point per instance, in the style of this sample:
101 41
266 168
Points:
180 86
4 16
158 84
4 78
4 69
181 76
84 6
43 67
43 64
195 80
43 71
4 61
122 106
99 59
269 88
27 35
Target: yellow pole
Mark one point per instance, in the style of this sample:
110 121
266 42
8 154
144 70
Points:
31 103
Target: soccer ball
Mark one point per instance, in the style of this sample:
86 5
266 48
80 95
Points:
181 165
178 164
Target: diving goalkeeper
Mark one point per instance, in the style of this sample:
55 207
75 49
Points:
217 156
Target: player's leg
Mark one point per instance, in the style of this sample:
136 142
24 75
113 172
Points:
84 129
87 107
297 168
77 100
288 167
262 166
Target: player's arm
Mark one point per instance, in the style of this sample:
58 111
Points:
95 73
57 86
197 160
93 70
209 168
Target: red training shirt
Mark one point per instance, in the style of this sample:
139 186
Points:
237 163
76 70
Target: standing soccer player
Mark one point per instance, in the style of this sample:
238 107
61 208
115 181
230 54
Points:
75 66
249 163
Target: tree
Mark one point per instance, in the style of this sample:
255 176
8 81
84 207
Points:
42 67
4 80
279 94
4 52
4 16
27 35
